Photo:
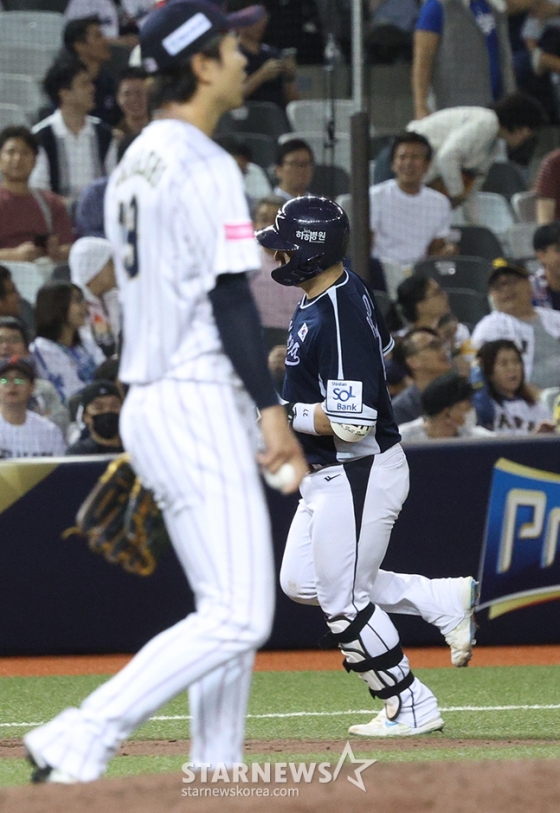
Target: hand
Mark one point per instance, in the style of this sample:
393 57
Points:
52 248
545 428
289 67
277 359
270 69
281 446
27 252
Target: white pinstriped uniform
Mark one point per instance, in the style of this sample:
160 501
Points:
177 217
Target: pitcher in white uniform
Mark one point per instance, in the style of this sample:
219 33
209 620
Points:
193 356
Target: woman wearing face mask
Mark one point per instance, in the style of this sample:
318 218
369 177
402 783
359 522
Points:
100 407
504 401
64 352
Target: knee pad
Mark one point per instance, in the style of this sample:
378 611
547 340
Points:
375 670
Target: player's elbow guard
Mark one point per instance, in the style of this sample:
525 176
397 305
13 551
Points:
351 432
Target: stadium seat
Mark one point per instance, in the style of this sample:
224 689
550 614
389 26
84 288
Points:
26 59
263 149
519 241
265 118
24 27
331 182
313 114
22 90
458 272
525 206
394 274
345 201
29 277
494 211
324 154
468 306
478 241
505 179
12 114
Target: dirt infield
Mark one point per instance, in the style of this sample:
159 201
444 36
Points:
420 658
485 787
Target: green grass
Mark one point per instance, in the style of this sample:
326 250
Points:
342 699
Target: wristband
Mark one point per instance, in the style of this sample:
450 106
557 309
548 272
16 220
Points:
301 418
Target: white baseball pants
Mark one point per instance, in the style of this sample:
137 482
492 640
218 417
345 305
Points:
191 444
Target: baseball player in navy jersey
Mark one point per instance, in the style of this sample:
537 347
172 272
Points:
193 356
338 404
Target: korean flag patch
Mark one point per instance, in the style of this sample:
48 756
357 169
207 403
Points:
302 332
344 397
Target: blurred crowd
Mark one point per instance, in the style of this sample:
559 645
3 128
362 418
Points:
465 230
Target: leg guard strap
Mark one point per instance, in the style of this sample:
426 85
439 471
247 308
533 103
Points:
397 688
351 632
379 663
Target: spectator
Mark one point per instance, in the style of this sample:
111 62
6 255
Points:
103 11
33 223
271 74
422 354
505 403
547 188
546 281
119 21
255 180
85 41
101 402
89 215
11 303
132 99
422 302
92 270
64 356
447 412
44 399
276 303
456 338
535 330
462 51
75 148
465 141
23 433
294 169
407 219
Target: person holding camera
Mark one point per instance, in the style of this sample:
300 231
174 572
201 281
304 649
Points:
271 73
33 223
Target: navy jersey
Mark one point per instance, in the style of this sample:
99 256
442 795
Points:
336 344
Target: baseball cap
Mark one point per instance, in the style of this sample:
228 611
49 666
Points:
501 267
444 392
97 389
545 236
182 28
18 363
87 257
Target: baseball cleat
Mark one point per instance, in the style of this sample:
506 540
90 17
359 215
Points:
46 773
462 639
380 726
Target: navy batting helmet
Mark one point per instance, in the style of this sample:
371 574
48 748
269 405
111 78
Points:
314 231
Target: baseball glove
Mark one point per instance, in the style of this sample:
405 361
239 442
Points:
122 521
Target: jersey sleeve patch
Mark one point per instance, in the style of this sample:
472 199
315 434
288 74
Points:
239 231
344 397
